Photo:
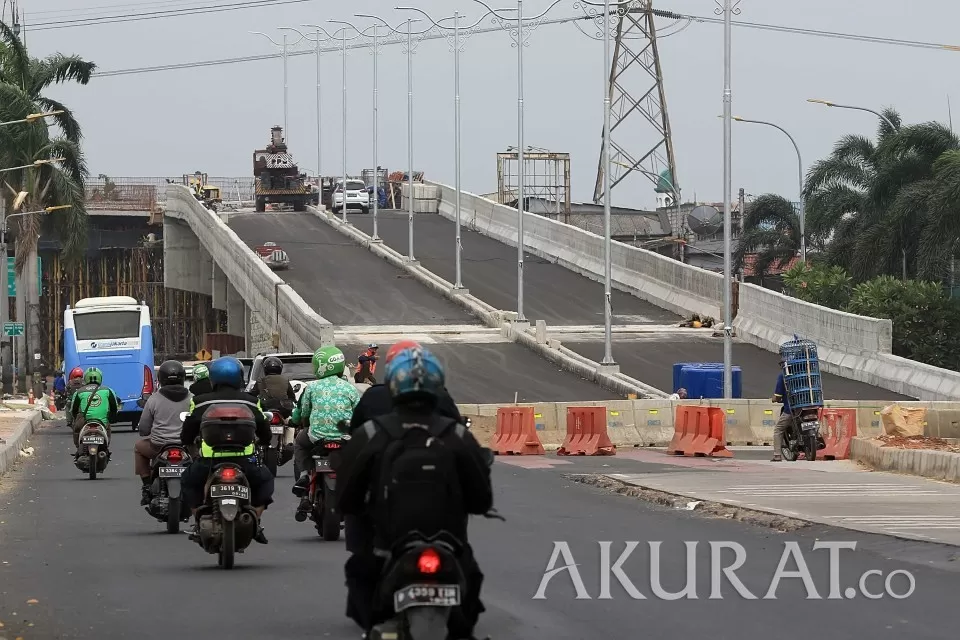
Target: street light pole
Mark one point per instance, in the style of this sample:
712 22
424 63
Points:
317 39
803 211
520 34
728 11
410 138
846 106
283 48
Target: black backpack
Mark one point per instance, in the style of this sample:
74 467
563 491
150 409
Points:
418 485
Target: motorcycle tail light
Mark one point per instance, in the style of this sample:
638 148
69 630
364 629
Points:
174 455
428 562
275 419
332 445
228 474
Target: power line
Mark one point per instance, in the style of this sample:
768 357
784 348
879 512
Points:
126 5
434 36
156 15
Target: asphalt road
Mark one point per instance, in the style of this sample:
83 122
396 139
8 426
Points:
347 283
493 373
81 560
551 292
652 360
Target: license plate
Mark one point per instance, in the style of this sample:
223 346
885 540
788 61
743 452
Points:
230 491
321 464
808 426
93 440
276 429
171 472
426 595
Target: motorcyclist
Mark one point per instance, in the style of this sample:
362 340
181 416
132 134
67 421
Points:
274 389
201 380
59 384
325 402
93 402
785 422
226 375
74 382
160 423
416 380
367 365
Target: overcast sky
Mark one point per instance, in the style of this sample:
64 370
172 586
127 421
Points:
211 119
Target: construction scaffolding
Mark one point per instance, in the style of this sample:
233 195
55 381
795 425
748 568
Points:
181 319
546 177
231 189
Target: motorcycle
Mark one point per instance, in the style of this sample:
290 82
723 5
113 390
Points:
165 504
227 523
320 502
803 436
60 400
280 451
426 582
93 454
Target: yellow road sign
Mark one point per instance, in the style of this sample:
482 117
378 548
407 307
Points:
204 355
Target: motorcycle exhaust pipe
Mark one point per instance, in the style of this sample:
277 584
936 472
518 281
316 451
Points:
246 519
102 454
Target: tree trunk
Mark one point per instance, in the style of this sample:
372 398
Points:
31 276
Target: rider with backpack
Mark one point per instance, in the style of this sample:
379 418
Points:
422 472
93 402
274 389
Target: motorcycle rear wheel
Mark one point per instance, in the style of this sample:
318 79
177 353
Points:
92 461
227 545
270 457
330 520
810 447
173 515
789 451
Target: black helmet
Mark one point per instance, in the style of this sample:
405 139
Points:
272 366
171 372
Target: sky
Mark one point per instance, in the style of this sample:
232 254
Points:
211 119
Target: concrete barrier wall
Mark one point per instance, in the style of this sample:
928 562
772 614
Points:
648 423
666 283
263 292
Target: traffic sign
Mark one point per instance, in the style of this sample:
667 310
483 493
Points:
12 277
203 354
13 328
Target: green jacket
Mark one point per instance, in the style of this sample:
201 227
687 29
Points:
96 403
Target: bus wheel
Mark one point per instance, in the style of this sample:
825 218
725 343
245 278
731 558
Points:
135 424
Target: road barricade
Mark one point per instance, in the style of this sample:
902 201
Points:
699 431
837 427
516 433
587 433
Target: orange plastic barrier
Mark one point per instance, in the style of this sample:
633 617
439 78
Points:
587 433
516 433
837 427
699 431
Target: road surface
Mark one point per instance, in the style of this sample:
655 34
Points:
80 559
652 359
551 292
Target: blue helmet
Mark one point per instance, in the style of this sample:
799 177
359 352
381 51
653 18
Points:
226 371
414 371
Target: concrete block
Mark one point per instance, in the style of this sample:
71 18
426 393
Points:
541 331
655 420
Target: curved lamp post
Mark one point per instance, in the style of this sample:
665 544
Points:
317 40
283 48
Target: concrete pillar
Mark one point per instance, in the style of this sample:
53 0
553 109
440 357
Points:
219 289
181 257
236 312
20 341
541 331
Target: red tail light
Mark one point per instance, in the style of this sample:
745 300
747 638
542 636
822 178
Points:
147 380
174 455
275 419
429 561
228 474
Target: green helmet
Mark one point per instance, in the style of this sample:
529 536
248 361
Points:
200 372
328 361
93 376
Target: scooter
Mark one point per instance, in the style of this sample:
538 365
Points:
165 504
803 436
320 502
93 454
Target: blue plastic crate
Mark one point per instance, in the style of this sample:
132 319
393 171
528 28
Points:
705 380
801 373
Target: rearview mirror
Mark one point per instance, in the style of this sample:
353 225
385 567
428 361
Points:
268 415
184 415
468 423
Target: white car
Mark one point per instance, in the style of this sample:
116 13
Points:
357 196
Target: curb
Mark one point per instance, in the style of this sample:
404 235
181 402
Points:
495 318
924 463
10 449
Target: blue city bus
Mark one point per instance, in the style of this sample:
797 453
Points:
113 333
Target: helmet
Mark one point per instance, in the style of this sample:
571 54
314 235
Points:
328 361
171 372
200 372
75 373
401 346
373 345
272 366
414 372
226 371
93 376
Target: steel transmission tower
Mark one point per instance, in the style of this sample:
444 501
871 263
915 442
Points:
640 138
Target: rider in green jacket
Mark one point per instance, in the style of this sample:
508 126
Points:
93 401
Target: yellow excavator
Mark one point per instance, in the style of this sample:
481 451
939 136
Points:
208 194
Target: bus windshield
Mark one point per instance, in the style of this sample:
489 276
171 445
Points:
101 325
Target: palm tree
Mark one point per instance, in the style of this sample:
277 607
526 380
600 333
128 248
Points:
867 202
22 82
771 229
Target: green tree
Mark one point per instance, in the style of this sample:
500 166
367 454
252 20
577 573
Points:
23 81
771 230
829 286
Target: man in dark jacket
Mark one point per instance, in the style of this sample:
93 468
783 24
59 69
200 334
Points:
274 389
357 476
226 374
160 423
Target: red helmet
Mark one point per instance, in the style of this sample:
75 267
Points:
403 345
76 372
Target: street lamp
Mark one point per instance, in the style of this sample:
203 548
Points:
31 118
803 212
35 163
728 10
455 43
520 31
846 106
283 47
317 39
